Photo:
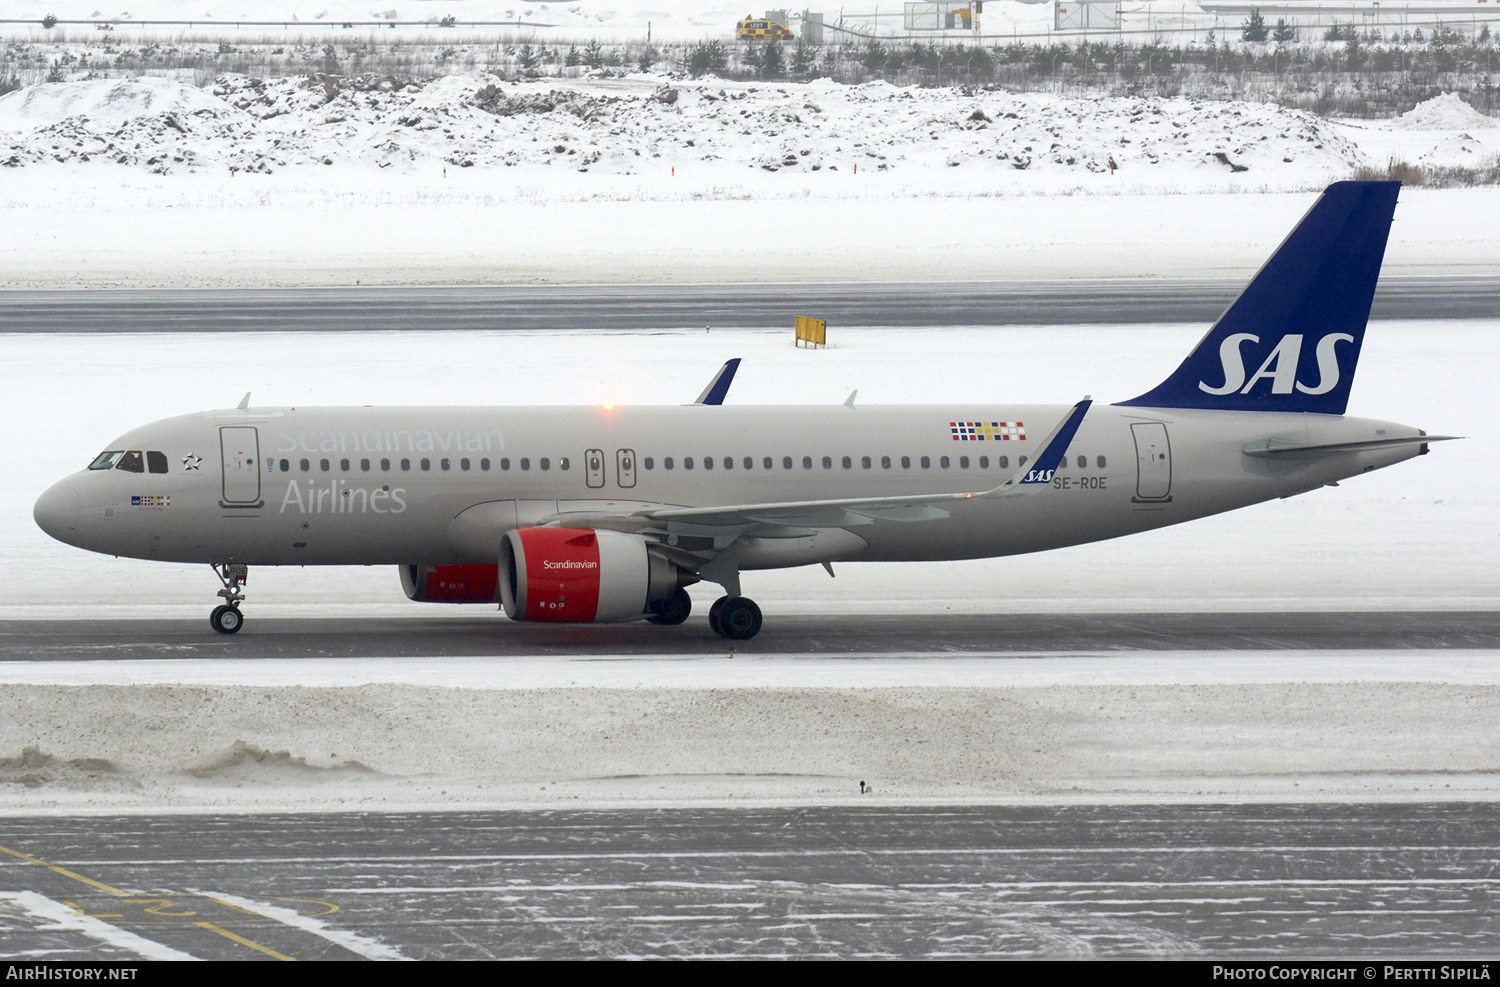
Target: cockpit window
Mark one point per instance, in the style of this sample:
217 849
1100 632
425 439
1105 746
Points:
132 461
106 460
156 461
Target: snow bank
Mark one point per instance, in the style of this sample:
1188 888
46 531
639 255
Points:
1445 112
170 747
104 103
639 124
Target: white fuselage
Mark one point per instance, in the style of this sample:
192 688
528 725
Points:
348 486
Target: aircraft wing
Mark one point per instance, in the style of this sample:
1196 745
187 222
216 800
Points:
846 511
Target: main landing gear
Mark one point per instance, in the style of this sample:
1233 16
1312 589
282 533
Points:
735 617
673 610
226 618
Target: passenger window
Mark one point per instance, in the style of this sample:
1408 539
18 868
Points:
906 462
943 462
304 465
106 460
364 465
847 462
1003 462
323 465
729 462
1083 462
807 462
406 464
828 462
385 465
463 464
687 462
157 462
562 463
786 462
885 462
768 462
750 463
963 462
426 464
484 464
132 461
984 462
525 463
444 463
1021 461
344 465
864 461
504 464
708 462
286 465
1100 461
649 463
667 463
926 463
544 462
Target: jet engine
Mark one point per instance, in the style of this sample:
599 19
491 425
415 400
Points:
583 575
450 583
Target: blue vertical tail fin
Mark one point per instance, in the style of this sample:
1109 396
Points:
1291 340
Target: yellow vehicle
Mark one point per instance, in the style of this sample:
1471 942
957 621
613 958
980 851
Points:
760 29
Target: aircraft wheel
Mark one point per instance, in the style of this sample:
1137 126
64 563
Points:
713 615
740 619
226 620
674 609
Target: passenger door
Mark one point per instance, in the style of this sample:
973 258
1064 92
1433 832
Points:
1153 458
625 467
240 447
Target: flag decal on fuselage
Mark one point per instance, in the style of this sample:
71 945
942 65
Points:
987 431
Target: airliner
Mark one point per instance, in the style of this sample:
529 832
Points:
606 514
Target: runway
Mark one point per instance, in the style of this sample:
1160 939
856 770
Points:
491 634
1356 881
637 307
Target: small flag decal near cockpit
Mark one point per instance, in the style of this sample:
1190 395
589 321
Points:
987 431
150 500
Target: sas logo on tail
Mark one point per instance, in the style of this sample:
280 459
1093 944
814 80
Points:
1279 367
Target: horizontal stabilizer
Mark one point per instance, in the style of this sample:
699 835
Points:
1285 448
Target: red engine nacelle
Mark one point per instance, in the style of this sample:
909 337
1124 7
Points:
581 575
451 583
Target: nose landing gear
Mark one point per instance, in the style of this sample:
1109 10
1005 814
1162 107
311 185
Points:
226 618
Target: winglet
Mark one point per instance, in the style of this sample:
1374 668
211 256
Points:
719 386
244 404
849 401
1054 447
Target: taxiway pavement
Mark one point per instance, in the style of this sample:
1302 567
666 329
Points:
491 634
1357 880
622 307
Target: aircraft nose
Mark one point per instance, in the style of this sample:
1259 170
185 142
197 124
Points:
56 511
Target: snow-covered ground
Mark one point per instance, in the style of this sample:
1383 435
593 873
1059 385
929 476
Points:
1418 535
645 179
632 126
484 733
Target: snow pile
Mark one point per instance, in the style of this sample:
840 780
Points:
646 123
1461 149
104 103
1445 112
